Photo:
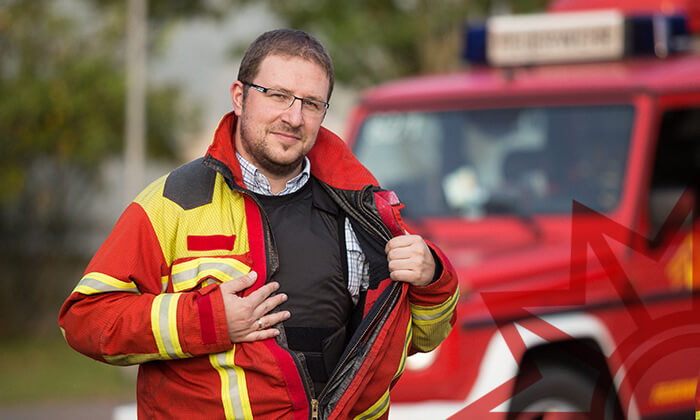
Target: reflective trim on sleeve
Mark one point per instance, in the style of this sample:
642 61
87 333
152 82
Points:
404 355
188 274
164 325
164 284
376 410
94 283
433 314
379 408
130 359
234 393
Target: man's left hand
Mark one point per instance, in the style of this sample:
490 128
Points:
410 260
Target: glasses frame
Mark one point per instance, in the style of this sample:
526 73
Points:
265 90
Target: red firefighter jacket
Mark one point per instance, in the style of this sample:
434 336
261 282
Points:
150 296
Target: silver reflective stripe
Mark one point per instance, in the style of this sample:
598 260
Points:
435 316
192 274
232 396
93 283
431 317
165 321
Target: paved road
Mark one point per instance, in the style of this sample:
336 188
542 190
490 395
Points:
100 410
104 410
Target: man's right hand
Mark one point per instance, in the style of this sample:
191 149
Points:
248 318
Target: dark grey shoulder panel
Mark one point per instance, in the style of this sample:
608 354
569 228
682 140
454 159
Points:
191 185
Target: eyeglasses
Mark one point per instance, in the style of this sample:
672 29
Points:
284 100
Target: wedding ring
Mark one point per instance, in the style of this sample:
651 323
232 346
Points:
260 323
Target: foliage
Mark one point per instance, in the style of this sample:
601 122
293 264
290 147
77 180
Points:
62 84
377 40
62 80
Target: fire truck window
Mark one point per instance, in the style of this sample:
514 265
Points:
676 170
499 161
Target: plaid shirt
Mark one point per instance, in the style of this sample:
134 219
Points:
358 268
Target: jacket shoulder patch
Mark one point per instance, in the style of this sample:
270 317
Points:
191 185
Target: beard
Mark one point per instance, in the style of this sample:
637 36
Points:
253 141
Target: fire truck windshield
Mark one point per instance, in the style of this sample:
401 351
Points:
516 161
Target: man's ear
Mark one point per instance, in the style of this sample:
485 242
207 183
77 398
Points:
237 97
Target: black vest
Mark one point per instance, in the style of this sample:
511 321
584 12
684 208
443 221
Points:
308 230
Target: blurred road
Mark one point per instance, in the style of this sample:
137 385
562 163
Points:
99 410
105 410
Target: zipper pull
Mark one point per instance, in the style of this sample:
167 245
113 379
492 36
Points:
314 409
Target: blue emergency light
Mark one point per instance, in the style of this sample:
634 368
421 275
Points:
573 37
652 35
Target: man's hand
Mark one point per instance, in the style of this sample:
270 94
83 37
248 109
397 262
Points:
410 260
247 317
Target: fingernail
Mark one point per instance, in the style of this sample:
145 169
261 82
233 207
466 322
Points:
253 275
287 315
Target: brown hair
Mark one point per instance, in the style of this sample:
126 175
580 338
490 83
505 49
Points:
285 42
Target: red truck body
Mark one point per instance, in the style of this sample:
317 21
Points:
566 196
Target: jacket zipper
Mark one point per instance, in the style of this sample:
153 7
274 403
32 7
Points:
380 312
314 409
273 251
386 236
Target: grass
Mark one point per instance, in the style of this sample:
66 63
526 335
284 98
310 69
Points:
47 369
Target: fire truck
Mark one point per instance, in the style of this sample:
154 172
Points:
560 173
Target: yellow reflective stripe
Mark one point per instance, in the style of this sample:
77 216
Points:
376 410
155 324
429 315
130 359
404 355
379 408
172 323
93 283
163 284
186 275
697 415
164 325
234 393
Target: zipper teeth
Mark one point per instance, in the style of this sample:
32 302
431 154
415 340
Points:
395 286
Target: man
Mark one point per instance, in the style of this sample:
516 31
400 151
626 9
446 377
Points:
262 281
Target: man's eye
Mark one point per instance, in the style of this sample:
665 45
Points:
312 105
279 97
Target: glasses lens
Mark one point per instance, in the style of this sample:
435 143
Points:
280 98
313 107
283 100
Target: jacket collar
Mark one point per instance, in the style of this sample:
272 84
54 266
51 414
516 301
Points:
331 160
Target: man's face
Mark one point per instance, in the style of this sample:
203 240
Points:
275 140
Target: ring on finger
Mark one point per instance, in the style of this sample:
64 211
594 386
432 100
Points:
260 323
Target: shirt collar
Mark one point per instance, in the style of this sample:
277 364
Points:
258 183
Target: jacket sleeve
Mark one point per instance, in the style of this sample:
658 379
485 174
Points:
433 306
119 312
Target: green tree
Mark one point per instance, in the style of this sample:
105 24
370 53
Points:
377 40
62 81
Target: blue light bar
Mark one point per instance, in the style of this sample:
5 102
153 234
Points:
658 35
475 45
